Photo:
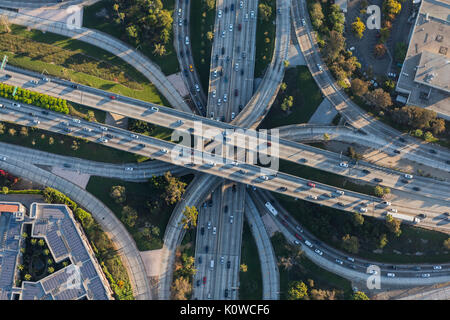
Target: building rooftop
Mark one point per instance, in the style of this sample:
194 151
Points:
82 279
425 74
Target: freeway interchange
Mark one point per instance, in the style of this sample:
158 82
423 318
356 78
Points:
231 98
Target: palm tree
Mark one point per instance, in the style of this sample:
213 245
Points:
41 242
33 241
20 267
27 277
160 49
51 269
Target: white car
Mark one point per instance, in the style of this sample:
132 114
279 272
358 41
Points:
264 178
339 261
241 4
230 27
252 14
187 40
393 210
343 164
312 197
214 230
425 275
87 129
437 267
209 225
222 259
104 128
214 93
373 272
236 67
391 275
340 192
309 244
408 176
363 210
212 163
233 115
246 16
319 67
219 102
179 12
231 219
225 97
76 120
197 88
3 158
164 150
16 105
318 252
223 34
296 242
219 13
155 109
303 22
387 203
215 73
235 163
128 169
135 136
36 121
351 259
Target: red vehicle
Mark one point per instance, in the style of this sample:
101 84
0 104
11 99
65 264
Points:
113 97
269 143
298 237
310 184
204 280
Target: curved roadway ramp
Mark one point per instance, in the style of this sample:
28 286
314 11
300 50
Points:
106 42
124 243
267 258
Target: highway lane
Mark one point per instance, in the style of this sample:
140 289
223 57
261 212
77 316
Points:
352 267
267 258
182 41
106 42
353 113
154 148
123 242
140 171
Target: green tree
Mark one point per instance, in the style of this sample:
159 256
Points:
359 295
446 244
210 35
159 49
400 51
358 219
316 14
41 242
283 86
27 277
286 63
379 98
265 11
350 243
393 225
129 216
46 252
118 194
174 189
358 28
378 190
379 50
428 136
383 241
297 290
33 242
189 219
243 267
51 269
359 87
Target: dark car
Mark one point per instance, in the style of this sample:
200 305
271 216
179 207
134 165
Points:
232 7
236 92
242 72
75 86
226 293
66 165
45 112
181 53
210 203
234 188
397 151
432 151
244 55
239 27
422 215
223 50
225 209
282 189
141 145
228 264
341 204
226 9
416 188
366 171
241 107
405 181
303 160
206 249
187 52
185 22
202 230
8 76
217 57
401 140
200 260
377 179
186 73
394 267
198 283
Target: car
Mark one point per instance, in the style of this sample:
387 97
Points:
312 197
228 264
252 14
231 219
225 97
180 22
236 92
163 150
219 102
339 261
185 22
366 171
214 230
303 22
197 88
3 158
351 259
390 274
242 72
236 66
246 16
343 164
209 225
318 252
282 189
225 209
233 115
309 244
202 230
141 145
408 176
76 120
319 67
191 68
239 27
299 229
363 210
340 192
341 204
104 128
8 76
219 13
437 267
425 275
186 40
204 280
422 215
393 210
226 293
45 79
432 151
128 169
214 93
264 178
230 27
377 179
397 151
416 188
311 184
232 7
405 181
373 271
222 260
17 105
223 34
36 121
241 4
113 97
206 249
2 105
87 129
215 73
179 12
244 55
